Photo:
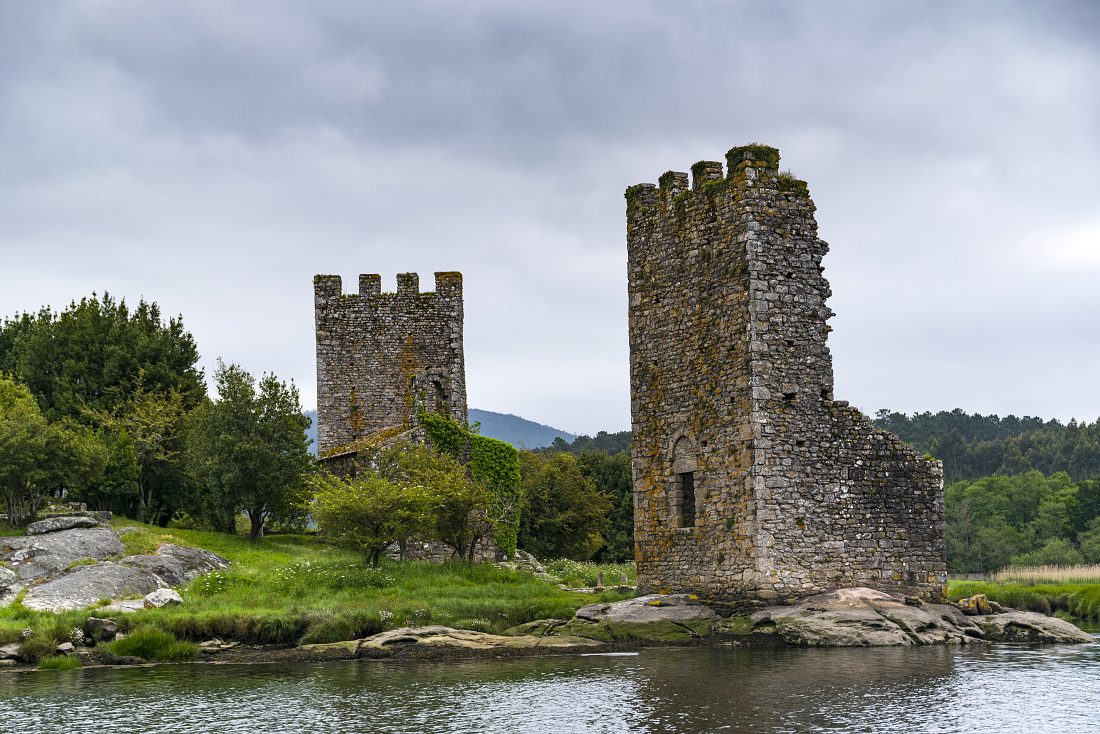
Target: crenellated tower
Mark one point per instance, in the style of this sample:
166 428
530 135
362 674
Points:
381 357
750 480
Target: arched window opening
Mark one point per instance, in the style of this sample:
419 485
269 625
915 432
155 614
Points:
682 494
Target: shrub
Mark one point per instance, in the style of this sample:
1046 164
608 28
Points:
37 648
350 626
151 643
59 662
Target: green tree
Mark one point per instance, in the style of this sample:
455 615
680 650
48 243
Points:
612 476
1055 552
248 451
1089 541
563 511
369 513
152 422
24 440
97 353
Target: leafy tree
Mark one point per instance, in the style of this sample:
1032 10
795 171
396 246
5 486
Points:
24 437
369 513
612 476
97 353
248 450
1089 541
563 511
151 422
1055 552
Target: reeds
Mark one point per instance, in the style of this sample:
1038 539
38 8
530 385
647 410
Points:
1048 574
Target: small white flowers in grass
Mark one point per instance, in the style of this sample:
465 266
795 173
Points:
27 632
385 616
421 615
76 636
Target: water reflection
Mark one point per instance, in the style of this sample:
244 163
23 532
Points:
994 689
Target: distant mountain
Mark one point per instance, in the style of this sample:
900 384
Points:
517 431
512 429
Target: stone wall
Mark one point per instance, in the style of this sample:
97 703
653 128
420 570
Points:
381 355
750 481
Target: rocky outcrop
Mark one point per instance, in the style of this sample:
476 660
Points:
65 522
175 565
34 556
652 617
84 586
1016 626
861 617
437 638
852 617
63 569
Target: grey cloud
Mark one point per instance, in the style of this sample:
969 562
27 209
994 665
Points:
213 156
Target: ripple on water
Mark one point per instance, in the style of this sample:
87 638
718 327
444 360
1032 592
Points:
995 689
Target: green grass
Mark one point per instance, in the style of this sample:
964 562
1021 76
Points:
577 574
59 662
1080 601
286 589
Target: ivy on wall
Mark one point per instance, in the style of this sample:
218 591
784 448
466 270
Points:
493 463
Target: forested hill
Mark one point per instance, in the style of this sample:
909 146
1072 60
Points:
974 445
517 431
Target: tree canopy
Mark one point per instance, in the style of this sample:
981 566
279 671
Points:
248 450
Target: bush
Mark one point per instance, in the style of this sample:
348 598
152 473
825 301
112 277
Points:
350 626
37 648
59 662
151 643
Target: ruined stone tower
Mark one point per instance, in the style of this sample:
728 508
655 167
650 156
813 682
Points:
750 481
383 356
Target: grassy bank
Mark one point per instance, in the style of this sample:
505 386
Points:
288 589
1077 600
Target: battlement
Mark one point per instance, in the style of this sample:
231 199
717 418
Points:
448 284
747 166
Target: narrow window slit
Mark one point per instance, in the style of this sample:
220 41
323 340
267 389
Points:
687 498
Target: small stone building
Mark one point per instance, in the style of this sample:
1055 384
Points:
381 357
750 481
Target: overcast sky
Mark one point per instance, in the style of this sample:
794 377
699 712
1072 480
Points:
214 156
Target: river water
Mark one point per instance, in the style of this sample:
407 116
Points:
989 689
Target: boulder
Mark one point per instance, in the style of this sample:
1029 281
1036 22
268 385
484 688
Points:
55 524
176 565
1016 626
100 629
974 605
64 648
861 617
84 586
127 606
34 556
162 598
9 652
7 578
664 617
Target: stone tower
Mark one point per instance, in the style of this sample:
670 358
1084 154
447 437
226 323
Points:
383 356
750 480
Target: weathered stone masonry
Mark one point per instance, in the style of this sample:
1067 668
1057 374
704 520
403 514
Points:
750 481
381 355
